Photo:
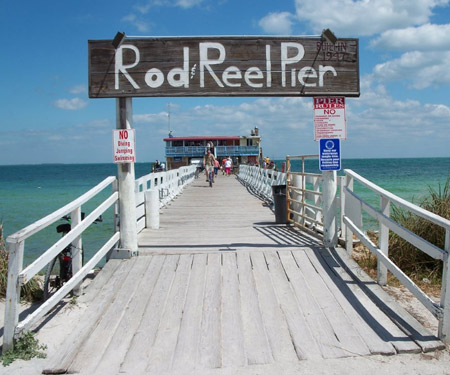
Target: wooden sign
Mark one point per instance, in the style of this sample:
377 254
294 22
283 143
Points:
224 66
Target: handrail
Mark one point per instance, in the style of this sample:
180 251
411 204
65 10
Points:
17 276
301 213
169 184
31 229
352 219
261 180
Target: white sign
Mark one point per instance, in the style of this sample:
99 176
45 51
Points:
124 146
329 118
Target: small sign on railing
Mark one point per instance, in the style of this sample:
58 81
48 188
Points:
124 146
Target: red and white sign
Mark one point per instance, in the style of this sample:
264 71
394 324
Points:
329 118
124 146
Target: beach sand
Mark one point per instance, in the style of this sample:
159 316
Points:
58 327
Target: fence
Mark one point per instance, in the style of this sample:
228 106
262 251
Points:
260 181
167 184
352 218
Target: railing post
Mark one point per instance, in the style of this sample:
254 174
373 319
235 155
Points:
152 209
329 185
383 242
348 232
77 249
15 262
444 321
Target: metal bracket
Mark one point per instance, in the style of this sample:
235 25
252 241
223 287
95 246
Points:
122 254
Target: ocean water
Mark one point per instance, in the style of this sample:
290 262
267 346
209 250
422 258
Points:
30 192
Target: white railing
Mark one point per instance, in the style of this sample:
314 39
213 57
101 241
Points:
261 180
352 218
168 184
304 195
17 276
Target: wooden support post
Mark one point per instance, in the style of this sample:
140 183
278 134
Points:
444 321
15 263
329 188
127 200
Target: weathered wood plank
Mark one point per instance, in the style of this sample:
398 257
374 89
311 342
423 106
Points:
233 350
421 336
96 344
136 359
361 304
67 353
275 323
210 355
347 337
304 342
114 355
161 355
314 316
256 343
186 352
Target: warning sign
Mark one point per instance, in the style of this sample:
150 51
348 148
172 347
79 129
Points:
329 118
124 146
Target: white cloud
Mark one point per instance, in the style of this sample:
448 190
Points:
364 17
188 3
421 69
141 25
277 23
70 104
426 37
151 118
79 89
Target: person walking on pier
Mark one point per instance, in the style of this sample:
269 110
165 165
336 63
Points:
228 165
208 163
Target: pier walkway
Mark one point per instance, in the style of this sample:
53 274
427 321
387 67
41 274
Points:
221 286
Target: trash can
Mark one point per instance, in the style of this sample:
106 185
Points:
279 201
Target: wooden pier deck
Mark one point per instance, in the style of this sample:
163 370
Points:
221 286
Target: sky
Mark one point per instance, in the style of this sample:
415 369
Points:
47 116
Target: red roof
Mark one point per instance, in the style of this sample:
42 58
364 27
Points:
205 138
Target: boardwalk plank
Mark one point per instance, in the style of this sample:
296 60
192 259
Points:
186 352
67 353
314 316
305 345
348 338
137 356
99 338
369 321
421 336
274 321
257 347
118 347
233 351
161 355
210 355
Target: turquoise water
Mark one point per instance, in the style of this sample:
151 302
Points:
30 192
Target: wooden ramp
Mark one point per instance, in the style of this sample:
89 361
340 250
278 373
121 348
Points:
220 286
